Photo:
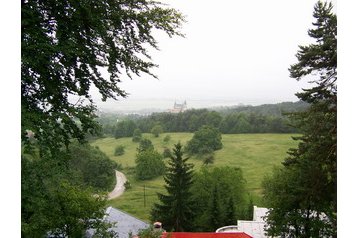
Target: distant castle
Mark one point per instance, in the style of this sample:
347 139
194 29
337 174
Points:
178 107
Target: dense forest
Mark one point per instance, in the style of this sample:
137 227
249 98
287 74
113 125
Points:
268 118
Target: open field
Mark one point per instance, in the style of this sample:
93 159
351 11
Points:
255 154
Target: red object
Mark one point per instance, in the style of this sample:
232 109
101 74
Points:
205 235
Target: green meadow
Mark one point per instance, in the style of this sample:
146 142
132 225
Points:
255 154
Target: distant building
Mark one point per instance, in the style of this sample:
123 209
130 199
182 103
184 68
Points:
255 228
178 107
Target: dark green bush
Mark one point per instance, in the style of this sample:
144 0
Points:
119 150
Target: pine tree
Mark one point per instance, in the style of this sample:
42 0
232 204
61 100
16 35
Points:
230 218
303 194
215 211
175 207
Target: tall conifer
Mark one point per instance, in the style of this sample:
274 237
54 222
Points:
175 207
303 194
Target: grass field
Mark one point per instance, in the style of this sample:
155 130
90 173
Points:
255 154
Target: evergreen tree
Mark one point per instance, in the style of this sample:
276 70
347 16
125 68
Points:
220 197
216 218
231 217
175 207
303 194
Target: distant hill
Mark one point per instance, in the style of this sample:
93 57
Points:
277 109
266 118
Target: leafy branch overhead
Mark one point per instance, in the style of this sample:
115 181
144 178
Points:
68 48
66 45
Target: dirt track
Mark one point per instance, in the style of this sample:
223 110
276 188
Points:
119 188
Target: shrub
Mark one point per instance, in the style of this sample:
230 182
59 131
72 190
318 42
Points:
145 144
127 185
137 135
167 138
149 164
92 166
156 130
119 150
167 153
206 139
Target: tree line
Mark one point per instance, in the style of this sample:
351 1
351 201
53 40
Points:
270 118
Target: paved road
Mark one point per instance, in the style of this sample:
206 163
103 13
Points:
119 188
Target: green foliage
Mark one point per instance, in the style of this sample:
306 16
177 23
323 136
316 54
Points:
149 164
103 231
119 150
205 150
255 154
71 41
175 207
268 118
208 158
303 194
156 130
64 44
167 153
127 185
205 139
215 210
144 145
52 202
220 196
237 123
150 232
92 167
271 110
125 129
167 138
137 135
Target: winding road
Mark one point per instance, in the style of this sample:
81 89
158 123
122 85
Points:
119 188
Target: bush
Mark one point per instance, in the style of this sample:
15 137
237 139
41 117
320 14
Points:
127 185
204 150
145 144
150 232
119 150
167 138
167 153
149 164
137 135
156 130
92 167
220 196
206 140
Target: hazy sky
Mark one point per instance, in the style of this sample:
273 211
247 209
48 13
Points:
233 50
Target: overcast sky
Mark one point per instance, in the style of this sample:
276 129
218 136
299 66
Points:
233 50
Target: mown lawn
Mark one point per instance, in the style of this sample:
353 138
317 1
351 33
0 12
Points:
255 154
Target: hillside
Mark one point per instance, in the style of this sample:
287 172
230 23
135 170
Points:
255 154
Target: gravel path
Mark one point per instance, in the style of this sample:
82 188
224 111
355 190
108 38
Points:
119 188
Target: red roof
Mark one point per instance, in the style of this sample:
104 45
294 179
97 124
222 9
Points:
205 235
